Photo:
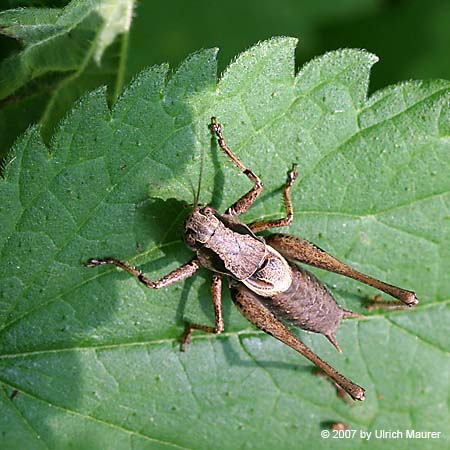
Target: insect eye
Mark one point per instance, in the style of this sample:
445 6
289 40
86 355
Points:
190 239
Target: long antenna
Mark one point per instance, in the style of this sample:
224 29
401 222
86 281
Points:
197 195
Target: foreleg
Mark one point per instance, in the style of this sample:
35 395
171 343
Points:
247 200
179 274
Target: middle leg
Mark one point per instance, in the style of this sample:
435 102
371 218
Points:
285 221
216 288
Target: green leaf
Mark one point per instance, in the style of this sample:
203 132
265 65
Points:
64 53
94 356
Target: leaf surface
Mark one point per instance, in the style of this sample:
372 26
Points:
94 356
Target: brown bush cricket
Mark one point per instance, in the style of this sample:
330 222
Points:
265 285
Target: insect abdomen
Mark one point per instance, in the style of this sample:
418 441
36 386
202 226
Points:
307 304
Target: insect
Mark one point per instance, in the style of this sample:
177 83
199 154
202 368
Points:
266 286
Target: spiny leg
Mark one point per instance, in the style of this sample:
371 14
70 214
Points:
252 308
341 393
246 201
285 221
377 302
216 288
179 274
301 250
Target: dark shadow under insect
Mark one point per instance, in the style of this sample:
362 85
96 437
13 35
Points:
265 285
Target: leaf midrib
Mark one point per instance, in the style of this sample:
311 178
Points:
252 332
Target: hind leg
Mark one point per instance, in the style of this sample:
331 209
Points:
252 308
301 250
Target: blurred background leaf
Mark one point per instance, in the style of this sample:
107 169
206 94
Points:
410 37
53 56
